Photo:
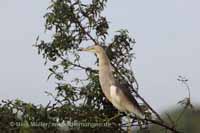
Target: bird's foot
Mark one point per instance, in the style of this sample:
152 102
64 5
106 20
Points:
110 119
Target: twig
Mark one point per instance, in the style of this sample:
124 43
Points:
80 25
171 128
83 29
164 125
144 101
77 65
184 81
187 100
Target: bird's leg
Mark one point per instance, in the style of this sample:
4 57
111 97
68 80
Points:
109 119
129 123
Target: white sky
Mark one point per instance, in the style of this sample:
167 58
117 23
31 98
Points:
166 32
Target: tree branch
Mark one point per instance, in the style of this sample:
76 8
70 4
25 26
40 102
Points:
82 28
171 128
77 65
163 125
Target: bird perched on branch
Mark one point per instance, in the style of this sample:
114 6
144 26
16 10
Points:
118 95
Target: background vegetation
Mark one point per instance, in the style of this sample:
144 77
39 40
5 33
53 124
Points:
75 24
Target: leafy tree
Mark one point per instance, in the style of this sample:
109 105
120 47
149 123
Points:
75 23
78 102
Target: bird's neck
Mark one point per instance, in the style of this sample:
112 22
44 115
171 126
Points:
105 68
104 60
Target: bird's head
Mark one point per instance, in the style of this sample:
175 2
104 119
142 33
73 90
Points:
95 49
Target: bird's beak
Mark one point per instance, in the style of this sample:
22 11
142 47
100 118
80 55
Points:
84 49
81 49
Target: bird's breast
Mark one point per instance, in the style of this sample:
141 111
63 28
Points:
115 98
106 79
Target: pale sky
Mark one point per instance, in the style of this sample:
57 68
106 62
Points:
167 35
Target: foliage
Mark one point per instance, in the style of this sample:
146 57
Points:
74 23
78 104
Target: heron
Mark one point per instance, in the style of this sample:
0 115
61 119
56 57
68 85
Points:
119 96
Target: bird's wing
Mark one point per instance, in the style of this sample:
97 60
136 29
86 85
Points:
129 101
